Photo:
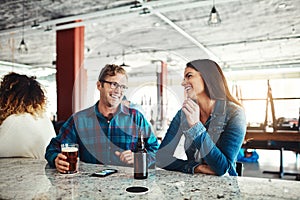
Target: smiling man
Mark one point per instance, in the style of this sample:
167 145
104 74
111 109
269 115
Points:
106 132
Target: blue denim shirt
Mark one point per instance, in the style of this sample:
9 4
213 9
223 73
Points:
216 143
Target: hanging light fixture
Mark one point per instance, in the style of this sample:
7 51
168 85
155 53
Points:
136 4
214 17
36 24
48 28
145 11
123 56
23 47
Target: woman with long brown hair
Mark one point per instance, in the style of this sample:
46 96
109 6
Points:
211 120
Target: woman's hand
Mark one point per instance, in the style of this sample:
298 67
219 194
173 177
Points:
192 111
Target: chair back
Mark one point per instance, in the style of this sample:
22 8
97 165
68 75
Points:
239 168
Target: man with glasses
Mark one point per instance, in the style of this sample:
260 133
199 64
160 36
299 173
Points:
106 132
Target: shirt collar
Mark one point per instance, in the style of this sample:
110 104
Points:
121 109
220 108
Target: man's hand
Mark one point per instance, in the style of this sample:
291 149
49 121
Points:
125 156
204 169
61 164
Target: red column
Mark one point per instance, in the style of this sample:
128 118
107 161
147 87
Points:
164 81
70 75
161 96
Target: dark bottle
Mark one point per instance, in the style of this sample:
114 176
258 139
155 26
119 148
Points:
299 121
140 159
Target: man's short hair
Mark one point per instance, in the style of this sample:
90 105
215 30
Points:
111 70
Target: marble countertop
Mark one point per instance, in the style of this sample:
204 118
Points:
22 178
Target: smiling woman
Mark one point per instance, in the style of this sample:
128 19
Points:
212 122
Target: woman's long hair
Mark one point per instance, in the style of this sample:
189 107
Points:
20 94
215 82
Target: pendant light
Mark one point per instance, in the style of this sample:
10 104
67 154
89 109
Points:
23 47
136 4
214 17
145 11
36 24
123 64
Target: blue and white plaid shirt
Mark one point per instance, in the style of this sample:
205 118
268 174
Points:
99 138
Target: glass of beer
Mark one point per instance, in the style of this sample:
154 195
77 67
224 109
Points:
71 151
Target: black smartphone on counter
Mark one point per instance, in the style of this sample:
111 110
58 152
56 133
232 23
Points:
104 172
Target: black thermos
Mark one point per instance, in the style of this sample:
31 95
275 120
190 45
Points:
140 159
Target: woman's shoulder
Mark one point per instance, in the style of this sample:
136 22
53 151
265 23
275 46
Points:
25 117
234 109
233 105
26 122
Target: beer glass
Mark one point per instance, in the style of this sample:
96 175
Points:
71 151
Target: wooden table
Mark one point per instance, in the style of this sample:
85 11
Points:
287 136
279 140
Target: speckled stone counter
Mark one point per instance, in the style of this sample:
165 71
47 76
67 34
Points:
33 179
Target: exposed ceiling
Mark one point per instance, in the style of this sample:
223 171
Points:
261 35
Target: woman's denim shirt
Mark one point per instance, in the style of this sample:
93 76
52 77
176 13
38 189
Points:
216 143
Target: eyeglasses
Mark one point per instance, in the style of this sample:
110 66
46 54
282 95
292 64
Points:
114 85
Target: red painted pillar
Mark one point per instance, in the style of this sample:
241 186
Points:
70 76
164 81
161 96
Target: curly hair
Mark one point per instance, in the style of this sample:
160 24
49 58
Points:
21 94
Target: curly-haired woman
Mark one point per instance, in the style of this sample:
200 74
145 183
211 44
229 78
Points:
25 129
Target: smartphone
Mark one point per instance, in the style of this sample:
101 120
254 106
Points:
104 172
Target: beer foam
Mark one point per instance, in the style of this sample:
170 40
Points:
69 149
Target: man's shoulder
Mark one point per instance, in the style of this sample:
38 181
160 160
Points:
129 110
135 111
85 112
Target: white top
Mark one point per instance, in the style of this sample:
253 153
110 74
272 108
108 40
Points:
23 135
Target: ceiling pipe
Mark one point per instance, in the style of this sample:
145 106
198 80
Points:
188 36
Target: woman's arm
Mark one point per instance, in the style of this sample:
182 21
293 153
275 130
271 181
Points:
164 156
221 157
204 169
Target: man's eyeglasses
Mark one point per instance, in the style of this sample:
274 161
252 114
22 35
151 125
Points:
114 85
